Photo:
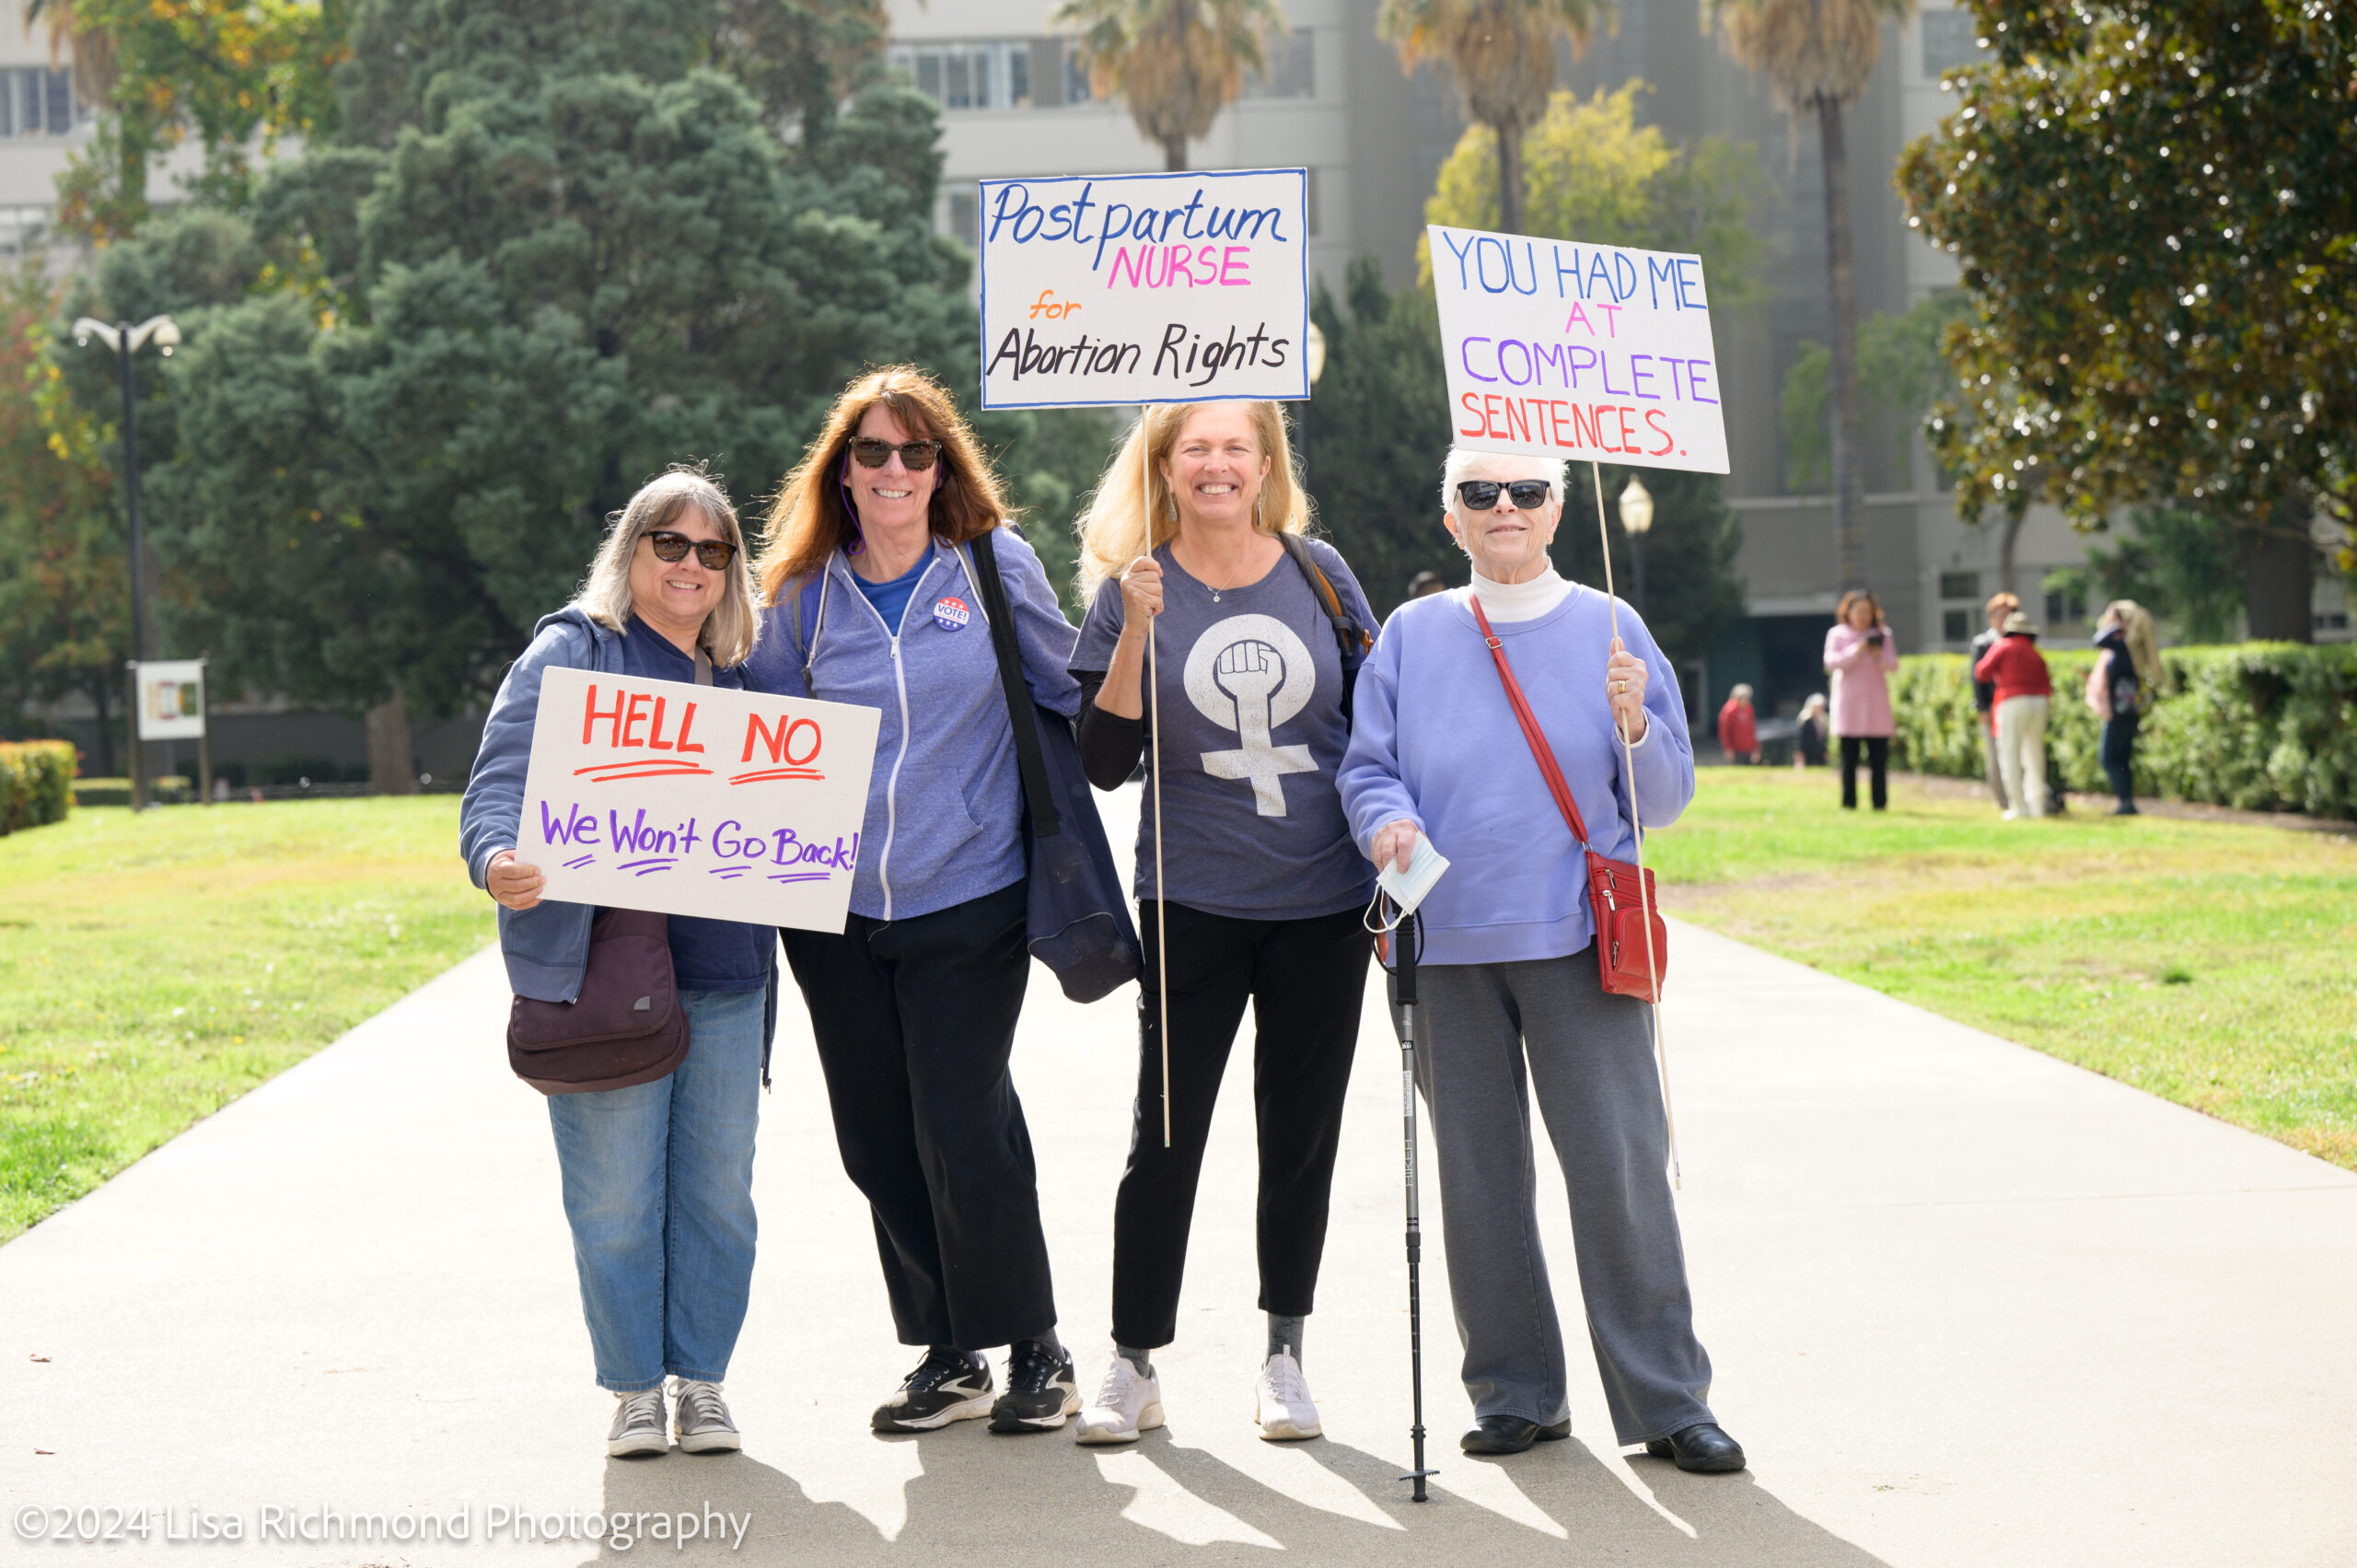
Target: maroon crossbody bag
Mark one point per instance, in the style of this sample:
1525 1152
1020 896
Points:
1628 964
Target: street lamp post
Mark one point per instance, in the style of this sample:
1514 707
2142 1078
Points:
1636 516
126 340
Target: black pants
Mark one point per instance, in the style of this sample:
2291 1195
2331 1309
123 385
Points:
1306 982
2119 754
1878 750
915 1020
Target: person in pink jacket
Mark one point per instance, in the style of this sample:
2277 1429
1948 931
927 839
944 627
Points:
1861 653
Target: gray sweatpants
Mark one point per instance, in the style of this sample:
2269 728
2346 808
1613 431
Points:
1590 1057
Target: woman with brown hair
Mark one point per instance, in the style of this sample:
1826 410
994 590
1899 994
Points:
1860 654
866 572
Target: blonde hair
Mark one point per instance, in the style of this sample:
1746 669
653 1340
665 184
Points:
811 518
2143 642
1131 515
605 597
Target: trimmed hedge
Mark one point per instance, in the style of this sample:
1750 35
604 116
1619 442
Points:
36 783
2261 726
172 789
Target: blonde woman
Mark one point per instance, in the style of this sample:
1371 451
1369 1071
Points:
865 572
1187 543
657 1178
2130 665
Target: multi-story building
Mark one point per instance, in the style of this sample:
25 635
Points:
41 123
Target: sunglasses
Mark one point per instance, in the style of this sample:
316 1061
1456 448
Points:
712 554
1481 495
916 456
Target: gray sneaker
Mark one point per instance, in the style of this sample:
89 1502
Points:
639 1424
705 1425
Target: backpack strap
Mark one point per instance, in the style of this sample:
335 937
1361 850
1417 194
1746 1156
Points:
1354 641
809 608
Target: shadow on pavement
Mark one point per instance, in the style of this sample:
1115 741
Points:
984 1500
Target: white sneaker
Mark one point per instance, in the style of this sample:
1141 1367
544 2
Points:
2012 816
704 1423
1127 1403
639 1424
1282 1403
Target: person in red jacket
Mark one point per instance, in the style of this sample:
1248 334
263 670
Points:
2019 671
1739 727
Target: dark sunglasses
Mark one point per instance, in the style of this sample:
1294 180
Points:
916 456
712 554
1481 495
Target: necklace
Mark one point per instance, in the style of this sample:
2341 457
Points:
1230 584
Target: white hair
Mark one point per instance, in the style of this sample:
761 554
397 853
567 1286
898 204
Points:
605 597
1515 465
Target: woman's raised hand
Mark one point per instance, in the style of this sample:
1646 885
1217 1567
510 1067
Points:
513 883
1624 688
1141 595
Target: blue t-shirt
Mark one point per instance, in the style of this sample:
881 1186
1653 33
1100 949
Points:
706 955
891 599
1252 734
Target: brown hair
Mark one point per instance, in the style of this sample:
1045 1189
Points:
811 518
1841 616
1130 513
2006 602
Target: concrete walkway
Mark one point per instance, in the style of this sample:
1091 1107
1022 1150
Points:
1969 1306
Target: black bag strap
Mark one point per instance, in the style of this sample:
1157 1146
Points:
1029 761
1354 641
809 604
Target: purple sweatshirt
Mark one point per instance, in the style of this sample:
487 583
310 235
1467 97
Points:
1435 741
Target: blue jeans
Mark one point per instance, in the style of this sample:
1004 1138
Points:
658 1188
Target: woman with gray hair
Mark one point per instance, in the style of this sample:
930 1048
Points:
1513 998
657 1178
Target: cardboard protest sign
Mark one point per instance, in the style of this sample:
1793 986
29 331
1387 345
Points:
656 795
1567 350
1144 289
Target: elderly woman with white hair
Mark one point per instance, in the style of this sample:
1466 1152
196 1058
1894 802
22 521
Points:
1514 999
657 1177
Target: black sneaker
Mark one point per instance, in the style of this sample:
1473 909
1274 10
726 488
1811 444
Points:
1041 1391
945 1386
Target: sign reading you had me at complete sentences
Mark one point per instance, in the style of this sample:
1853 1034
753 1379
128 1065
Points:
1567 350
1144 289
656 795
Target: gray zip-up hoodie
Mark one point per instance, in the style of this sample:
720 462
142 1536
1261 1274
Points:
945 805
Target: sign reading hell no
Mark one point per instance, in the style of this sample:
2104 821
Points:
696 800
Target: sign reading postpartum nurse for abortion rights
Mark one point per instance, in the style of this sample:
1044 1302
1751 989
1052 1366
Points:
1144 289
1567 350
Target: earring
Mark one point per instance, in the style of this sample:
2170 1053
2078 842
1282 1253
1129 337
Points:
1174 508
1256 510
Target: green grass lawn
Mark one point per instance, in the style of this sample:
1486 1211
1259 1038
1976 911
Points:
154 968
2207 962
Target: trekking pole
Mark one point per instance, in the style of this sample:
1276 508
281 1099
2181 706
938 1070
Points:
1405 938
1154 737
1644 891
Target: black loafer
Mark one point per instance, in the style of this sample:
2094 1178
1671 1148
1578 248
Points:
1509 1435
1704 1449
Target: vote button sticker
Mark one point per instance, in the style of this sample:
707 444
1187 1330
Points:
951 613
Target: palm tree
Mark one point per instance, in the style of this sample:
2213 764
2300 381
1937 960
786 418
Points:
1178 61
1817 56
1502 55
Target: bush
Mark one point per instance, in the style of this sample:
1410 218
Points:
36 783
172 789
2262 727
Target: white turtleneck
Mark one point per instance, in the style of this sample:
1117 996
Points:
1522 601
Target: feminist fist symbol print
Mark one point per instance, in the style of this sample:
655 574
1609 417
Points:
1250 674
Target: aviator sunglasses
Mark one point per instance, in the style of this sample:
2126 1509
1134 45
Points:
712 554
1481 495
873 453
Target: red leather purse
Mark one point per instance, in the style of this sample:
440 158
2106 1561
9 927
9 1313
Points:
1620 896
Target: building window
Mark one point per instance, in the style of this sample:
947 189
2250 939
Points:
34 103
966 217
1309 202
2065 604
1292 66
970 75
1959 585
1950 42
1956 625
